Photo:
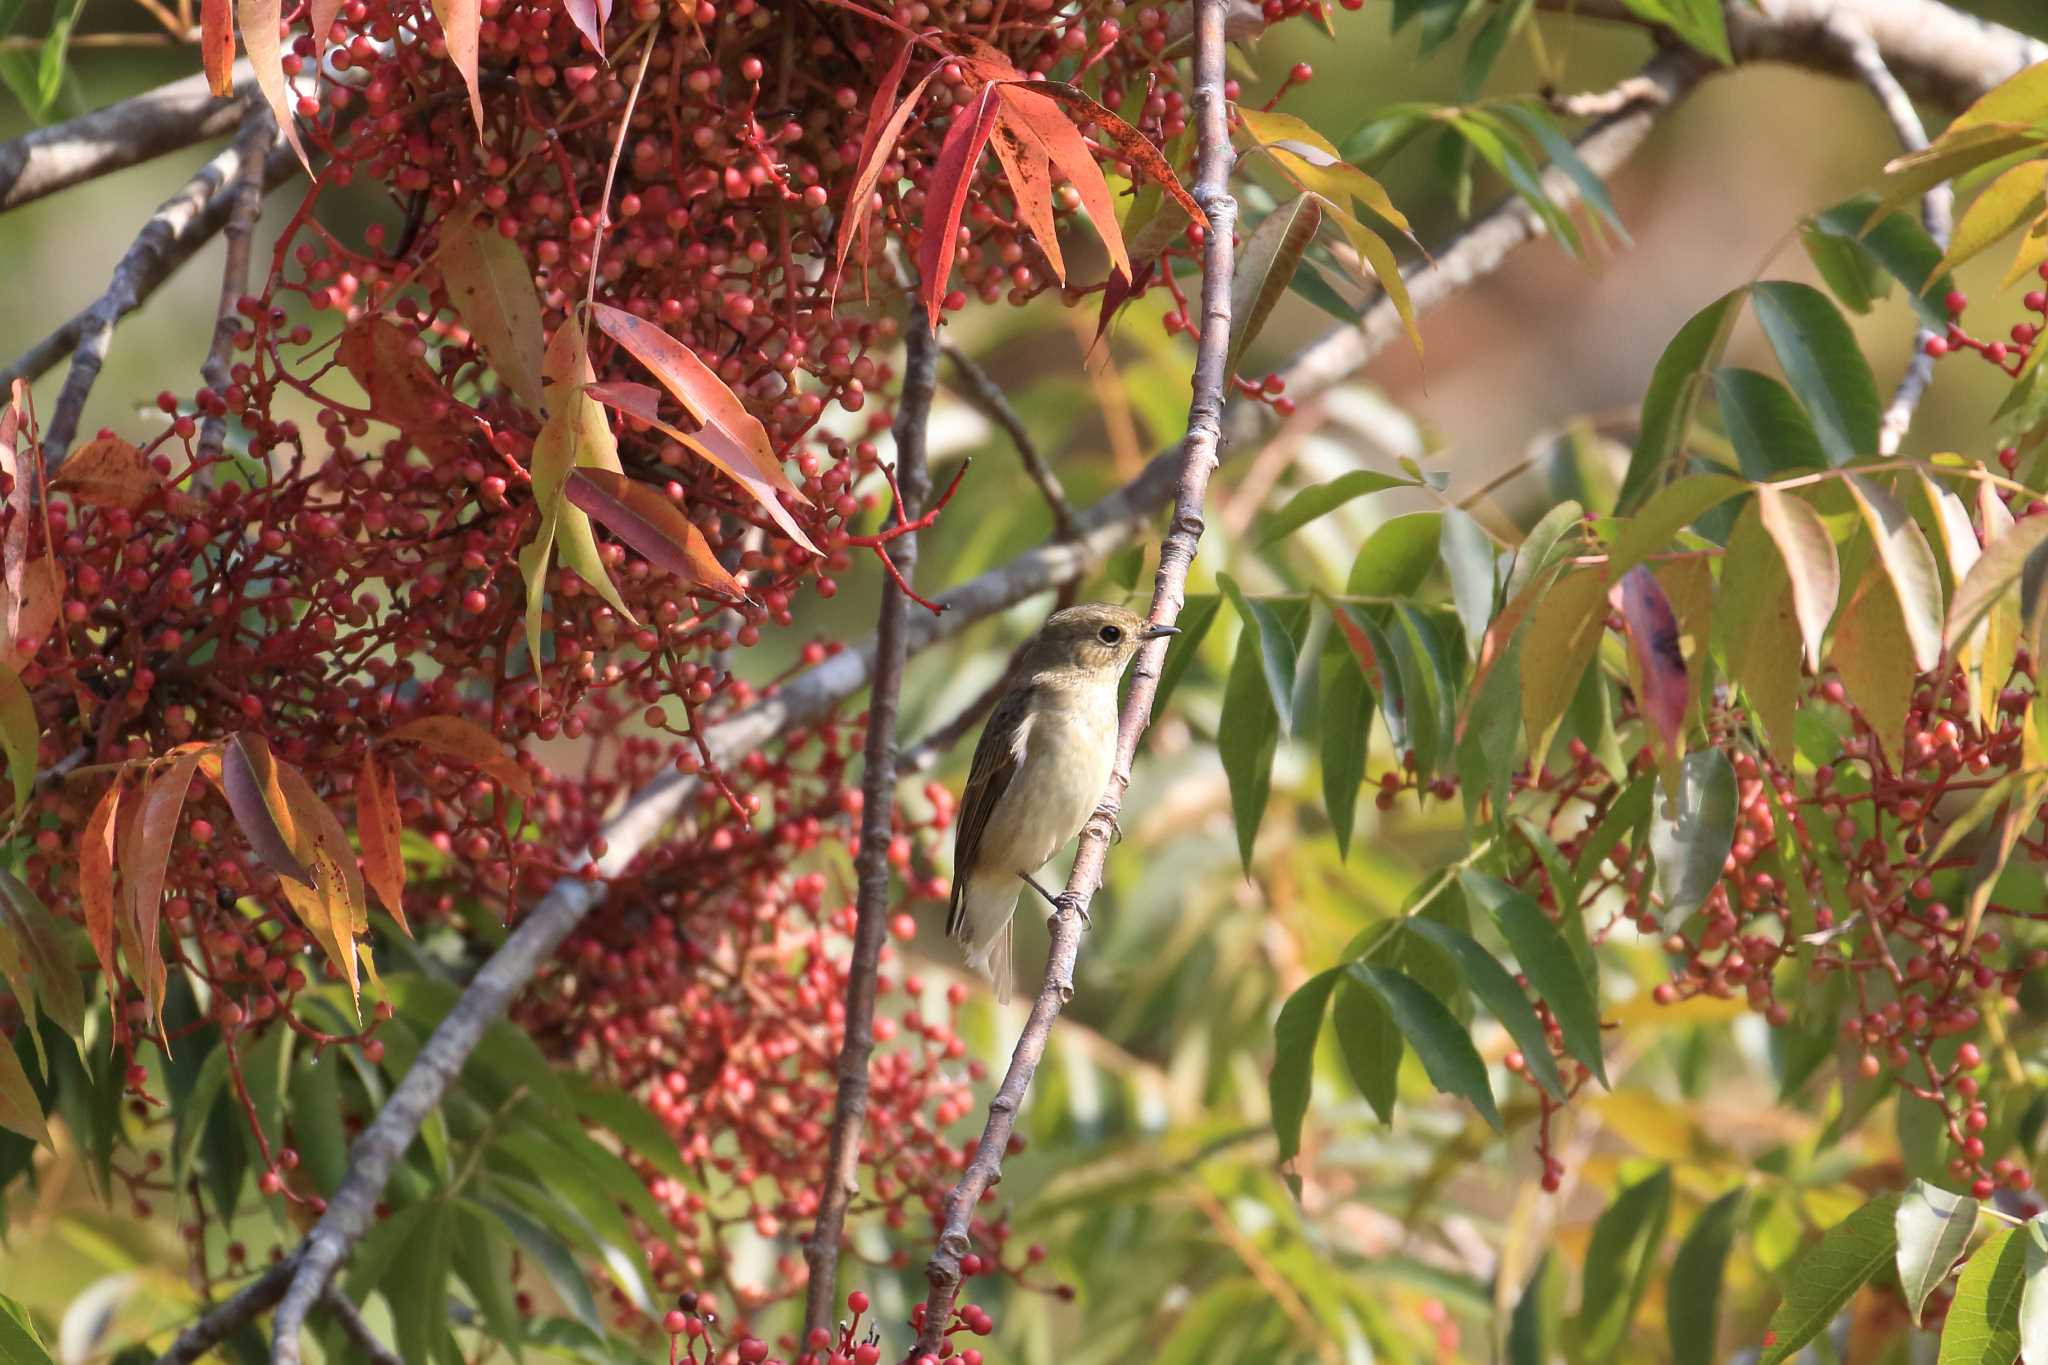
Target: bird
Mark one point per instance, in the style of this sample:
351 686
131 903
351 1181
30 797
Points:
1041 765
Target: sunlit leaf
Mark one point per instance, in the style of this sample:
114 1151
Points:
217 46
1983 1322
1294 1055
1504 1000
590 17
1619 1262
1266 264
1693 1308
1321 499
19 1110
1670 510
145 859
1758 629
378 829
249 781
460 21
96 878
649 522
1559 642
2034 1297
107 472
1932 1227
1675 387
2002 565
261 22
20 734
1027 170
2013 198
402 390
491 286
1829 1274
1041 124
952 177
1439 1040
36 933
1548 961
1873 652
1908 562
1808 554
1691 832
1131 144
466 742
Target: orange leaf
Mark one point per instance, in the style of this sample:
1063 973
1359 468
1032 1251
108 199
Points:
1131 144
732 438
378 828
145 860
590 17
952 177
460 20
1029 173
217 46
401 388
874 155
333 909
261 21
651 524
458 738
19 1110
96 879
108 472
248 779
1044 120
988 62
491 286
14 548
32 612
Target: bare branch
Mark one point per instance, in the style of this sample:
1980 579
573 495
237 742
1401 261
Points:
986 396
216 1325
245 194
46 160
356 1330
180 226
1198 457
1937 214
877 829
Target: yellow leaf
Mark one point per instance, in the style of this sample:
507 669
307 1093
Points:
19 734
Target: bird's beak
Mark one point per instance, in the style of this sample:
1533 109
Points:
1153 632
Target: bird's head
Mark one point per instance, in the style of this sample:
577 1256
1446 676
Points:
1092 638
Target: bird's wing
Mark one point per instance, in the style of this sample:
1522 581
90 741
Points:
996 760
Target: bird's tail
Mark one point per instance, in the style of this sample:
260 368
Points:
980 921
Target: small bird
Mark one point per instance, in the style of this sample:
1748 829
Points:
1042 764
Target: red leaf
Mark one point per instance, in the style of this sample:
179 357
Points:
248 780
1043 120
1114 291
378 828
400 387
732 438
878 141
260 21
145 860
990 63
1653 639
96 879
590 17
1131 144
952 176
217 45
651 524
108 472
460 20
467 742
1029 173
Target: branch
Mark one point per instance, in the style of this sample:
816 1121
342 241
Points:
356 1330
1937 213
1101 529
1198 458
245 205
162 120
877 829
180 226
986 397
220 1322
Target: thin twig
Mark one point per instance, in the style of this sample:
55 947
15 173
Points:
1937 214
877 828
986 396
356 1330
1199 454
181 225
222 1321
245 198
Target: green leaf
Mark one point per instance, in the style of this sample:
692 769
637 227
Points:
1346 718
1823 364
316 1119
638 1131
1691 835
1439 1040
1698 22
1693 1312
1619 1262
19 1344
1983 1323
1323 498
1899 243
1247 735
1808 554
1909 562
1270 638
1294 1058
1266 263
1757 630
1487 751
482 1260
1771 433
1565 157
1503 999
20 1110
2013 197
1829 1274
1468 556
1852 273
1559 643
1533 1330
1675 388
544 1248
1670 510
1397 557
1370 1043
1547 960
1197 614
2003 563
2034 1298
1932 1227
1540 546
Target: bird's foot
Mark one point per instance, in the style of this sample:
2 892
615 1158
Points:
1068 904
1047 896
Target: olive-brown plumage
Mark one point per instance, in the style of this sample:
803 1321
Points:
1042 764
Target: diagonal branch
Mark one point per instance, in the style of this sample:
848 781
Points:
245 195
221 1322
986 396
1199 455
877 829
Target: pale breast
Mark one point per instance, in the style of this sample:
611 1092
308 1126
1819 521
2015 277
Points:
1067 756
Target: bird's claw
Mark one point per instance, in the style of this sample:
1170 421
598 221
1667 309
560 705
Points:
1069 904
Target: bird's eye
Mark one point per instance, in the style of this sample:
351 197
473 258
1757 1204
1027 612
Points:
1111 634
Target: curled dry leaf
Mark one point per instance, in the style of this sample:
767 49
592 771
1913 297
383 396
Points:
491 287
378 829
590 17
145 855
731 438
19 1111
38 938
332 908
1653 633
261 20
460 22
217 45
401 389
27 614
322 21
249 781
651 524
467 742
19 735
108 472
96 877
